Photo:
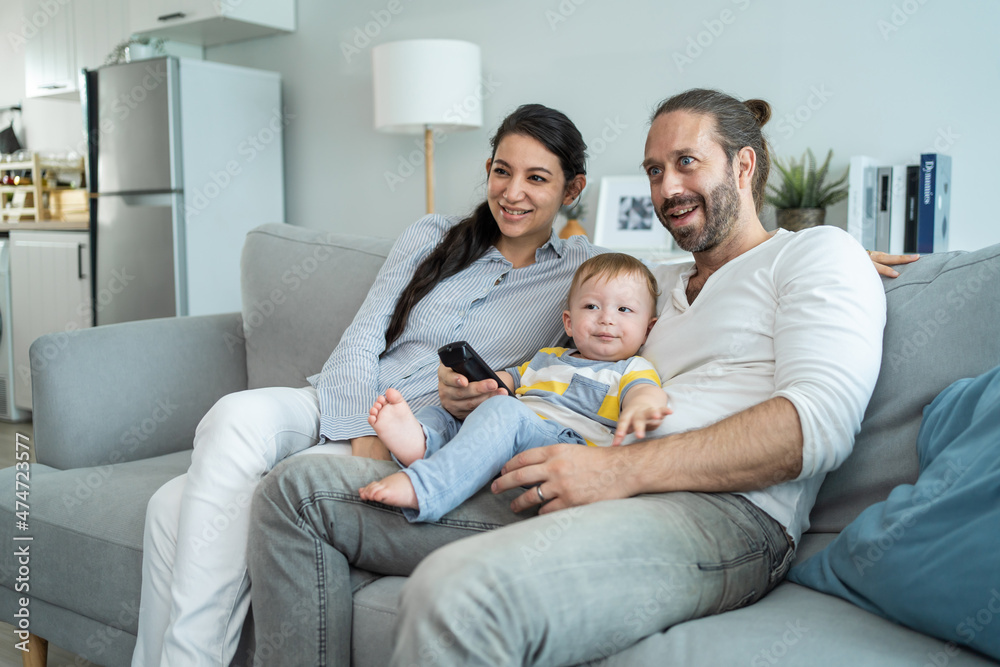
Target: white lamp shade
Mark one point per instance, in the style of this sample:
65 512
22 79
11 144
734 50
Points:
427 83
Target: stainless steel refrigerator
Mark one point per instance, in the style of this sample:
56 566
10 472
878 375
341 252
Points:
185 158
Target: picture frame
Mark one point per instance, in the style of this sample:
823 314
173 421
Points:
626 219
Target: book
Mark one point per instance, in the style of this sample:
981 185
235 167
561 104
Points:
912 188
933 203
861 184
897 211
883 200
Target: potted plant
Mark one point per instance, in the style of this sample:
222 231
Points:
135 48
574 214
802 197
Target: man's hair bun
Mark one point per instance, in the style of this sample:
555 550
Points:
760 109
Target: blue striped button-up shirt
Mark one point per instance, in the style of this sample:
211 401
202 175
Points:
506 314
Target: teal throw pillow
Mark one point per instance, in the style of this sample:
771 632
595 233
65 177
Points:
928 557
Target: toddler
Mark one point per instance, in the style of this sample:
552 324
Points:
593 394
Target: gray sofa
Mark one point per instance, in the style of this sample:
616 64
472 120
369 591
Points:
116 408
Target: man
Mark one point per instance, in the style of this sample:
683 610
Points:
769 347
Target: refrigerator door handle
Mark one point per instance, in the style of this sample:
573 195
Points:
171 17
79 261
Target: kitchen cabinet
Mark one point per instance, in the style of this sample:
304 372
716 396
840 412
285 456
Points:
49 50
50 282
211 22
99 26
69 36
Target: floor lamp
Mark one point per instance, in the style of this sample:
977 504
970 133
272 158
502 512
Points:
427 85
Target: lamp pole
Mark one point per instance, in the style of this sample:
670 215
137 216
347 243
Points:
429 166
423 84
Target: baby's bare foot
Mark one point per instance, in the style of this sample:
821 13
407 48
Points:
395 490
398 428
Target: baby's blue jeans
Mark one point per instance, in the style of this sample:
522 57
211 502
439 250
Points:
476 450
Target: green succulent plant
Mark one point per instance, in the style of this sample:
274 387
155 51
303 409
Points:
802 184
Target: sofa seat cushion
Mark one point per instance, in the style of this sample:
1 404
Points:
64 520
792 625
927 556
941 326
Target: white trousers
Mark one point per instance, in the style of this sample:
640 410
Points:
195 587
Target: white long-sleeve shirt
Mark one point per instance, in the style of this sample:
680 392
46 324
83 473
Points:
799 316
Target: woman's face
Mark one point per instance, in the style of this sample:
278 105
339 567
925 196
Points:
525 189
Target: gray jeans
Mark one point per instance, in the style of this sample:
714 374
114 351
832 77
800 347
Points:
560 589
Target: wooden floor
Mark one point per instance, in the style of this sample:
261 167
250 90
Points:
9 655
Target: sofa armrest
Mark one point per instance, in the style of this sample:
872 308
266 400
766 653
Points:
131 391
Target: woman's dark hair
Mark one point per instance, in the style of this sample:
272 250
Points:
472 237
737 124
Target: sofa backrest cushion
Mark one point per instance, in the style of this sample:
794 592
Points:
301 288
942 324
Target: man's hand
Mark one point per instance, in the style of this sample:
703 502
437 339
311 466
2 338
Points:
569 475
884 262
369 447
459 396
642 410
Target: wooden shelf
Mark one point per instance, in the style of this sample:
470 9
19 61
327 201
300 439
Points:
44 205
42 163
47 226
31 188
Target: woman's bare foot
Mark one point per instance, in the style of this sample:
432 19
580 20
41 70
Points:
398 428
396 490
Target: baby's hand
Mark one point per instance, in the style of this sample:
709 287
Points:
639 416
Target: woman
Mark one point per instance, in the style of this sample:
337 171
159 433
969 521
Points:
497 279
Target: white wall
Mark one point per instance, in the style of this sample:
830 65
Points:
890 93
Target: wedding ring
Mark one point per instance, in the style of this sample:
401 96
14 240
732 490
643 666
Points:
538 490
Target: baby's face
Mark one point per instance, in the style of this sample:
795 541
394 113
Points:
610 319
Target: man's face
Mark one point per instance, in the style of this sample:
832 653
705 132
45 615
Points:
691 182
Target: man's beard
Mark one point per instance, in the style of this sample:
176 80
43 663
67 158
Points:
721 212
